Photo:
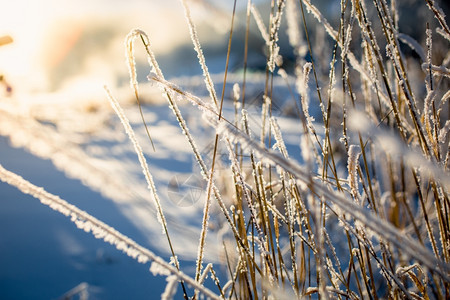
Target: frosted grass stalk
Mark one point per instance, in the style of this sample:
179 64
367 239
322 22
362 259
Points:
438 70
320 18
439 15
289 219
335 279
100 230
131 62
227 286
134 33
264 112
201 58
129 41
302 88
317 213
444 34
274 49
278 137
428 119
148 177
444 132
203 277
347 38
354 152
444 99
333 252
413 44
205 221
381 228
306 151
177 93
236 103
236 92
137 147
260 23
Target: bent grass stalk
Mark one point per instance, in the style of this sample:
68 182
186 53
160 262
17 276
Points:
129 42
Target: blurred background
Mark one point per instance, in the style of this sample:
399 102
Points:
72 44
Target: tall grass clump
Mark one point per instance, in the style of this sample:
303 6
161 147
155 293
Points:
361 210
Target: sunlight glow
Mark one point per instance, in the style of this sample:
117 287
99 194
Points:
61 43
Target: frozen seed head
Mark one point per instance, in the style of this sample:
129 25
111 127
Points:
353 155
236 91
